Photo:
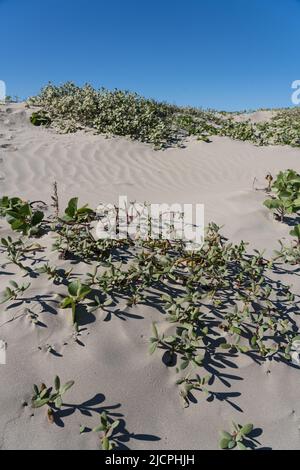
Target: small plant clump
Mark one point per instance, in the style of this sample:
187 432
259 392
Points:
76 293
50 396
40 119
74 215
286 194
68 108
108 428
20 215
237 437
54 274
17 251
290 254
13 292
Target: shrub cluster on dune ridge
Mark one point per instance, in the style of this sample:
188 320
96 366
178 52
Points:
69 107
117 112
221 302
284 201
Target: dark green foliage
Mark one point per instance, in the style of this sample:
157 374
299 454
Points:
73 214
20 215
40 119
239 437
286 194
108 427
109 112
50 396
77 292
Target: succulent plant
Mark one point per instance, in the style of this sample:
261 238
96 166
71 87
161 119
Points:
75 214
20 215
286 198
52 397
77 293
107 427
12 292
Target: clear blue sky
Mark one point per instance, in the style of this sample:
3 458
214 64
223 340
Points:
225 54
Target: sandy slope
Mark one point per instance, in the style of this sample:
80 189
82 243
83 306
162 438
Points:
113 369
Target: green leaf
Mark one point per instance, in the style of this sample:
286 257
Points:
105 443
236 330
269 203
103 418
4 242
115 424
153 347
231 445
67 302
247 429
199 359
14 284
44 393
188 387
37 218
6 295
154 330
296 231
25 210
224 443
58 402
184 365
99 428
84 210
72 207
18 225
73 288
225 346
83 291
38 403
170 339
226 435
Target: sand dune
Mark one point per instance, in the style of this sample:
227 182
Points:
113 368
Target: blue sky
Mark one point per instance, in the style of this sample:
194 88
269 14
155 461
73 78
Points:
224 54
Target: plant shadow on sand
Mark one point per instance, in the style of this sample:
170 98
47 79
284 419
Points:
96 406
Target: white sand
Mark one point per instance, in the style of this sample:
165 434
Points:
113 368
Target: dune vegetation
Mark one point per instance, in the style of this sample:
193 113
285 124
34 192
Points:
221 302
